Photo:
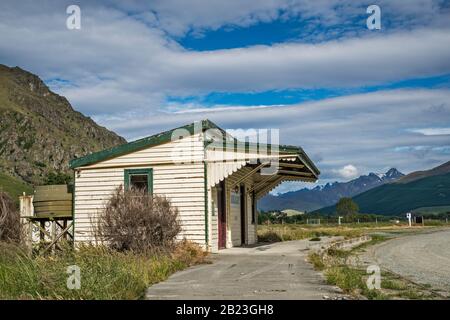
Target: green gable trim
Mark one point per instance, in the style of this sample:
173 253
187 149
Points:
137 145
148 171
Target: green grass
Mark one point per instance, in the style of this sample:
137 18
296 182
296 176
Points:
105 274
352 281
316 261
14 187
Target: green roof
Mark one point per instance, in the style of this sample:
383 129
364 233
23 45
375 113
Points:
166 136
133 146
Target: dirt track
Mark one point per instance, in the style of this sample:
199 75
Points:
423 258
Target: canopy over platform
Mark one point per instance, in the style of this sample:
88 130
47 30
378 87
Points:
270 164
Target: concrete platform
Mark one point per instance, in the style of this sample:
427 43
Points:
266 271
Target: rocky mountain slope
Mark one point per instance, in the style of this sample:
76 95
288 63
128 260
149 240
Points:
40 131
419 189
326 195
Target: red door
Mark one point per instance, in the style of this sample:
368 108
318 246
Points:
222 215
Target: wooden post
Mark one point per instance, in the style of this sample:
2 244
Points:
27 210
53 234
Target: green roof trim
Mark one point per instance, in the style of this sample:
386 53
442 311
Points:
140 144
166 136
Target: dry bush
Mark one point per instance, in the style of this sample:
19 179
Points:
134 220
189 253
10 227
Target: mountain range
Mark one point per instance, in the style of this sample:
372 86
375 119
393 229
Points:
40 131
418 191
328 194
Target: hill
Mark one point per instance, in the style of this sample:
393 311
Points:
13 186
326 195
400 197
40 131
442 169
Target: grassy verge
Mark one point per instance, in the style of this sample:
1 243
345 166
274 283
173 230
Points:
351 278
105 274
286 232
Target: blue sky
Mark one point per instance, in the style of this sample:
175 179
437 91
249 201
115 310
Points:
356 100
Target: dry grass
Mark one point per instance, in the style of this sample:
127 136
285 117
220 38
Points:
105 273
286 232
10 226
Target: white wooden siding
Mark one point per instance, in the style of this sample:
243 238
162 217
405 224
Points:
182 183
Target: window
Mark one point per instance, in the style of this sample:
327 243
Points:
139 179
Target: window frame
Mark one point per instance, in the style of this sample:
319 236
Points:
144 171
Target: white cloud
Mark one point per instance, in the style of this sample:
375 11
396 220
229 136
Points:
123 63
432 131
117 62
348 172
178 17
363 129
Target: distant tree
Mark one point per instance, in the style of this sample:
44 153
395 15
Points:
346 207
57 178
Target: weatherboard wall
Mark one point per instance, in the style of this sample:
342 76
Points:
178 174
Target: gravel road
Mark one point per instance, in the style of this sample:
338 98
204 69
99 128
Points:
423 258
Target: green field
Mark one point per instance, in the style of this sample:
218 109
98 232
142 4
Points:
13 186
432 210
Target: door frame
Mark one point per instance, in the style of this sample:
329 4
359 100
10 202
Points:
243 200
221 215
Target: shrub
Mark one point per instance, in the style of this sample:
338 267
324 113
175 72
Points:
134 220
346 207
10 227
57 178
